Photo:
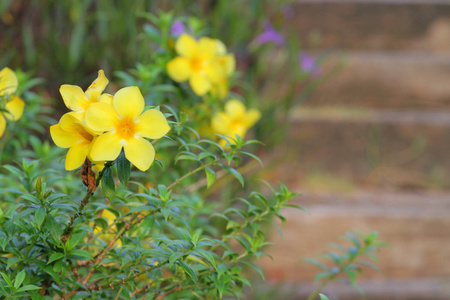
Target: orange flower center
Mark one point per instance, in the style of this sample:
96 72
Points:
198 64
126 128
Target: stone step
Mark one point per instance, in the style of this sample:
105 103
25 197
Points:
344 154
417 225
388 79
374 25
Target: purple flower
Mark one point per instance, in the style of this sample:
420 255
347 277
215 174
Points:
269 35
309 65
177 28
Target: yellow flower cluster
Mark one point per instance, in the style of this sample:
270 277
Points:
204 63
101 125
11 106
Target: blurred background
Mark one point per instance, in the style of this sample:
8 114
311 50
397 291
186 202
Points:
367 141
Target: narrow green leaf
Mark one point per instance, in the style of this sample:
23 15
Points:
40 216
79 253
188 270
19 279
54 256
210 177
73 240
109 188
175 256
123 168
323 297
28 287
258 269
234 173
6 278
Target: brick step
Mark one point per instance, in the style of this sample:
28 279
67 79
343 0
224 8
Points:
417 225
342 155
389 79
388 288
374 25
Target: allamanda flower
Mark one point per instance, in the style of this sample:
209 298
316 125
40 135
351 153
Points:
235 120
11 105
125 126
78 101
71 133
198 62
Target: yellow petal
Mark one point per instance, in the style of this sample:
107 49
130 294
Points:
106 147
215 72
97 87
76 155
179 69
101 117
108 215
62 138
199 84
15 108
106 98
228 63
74 97
2 124
221 48
129 102
220 123
235 109
252 117
140 153
207 48
8 81
152 124
186 45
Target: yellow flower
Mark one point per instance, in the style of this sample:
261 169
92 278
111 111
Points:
14 105
126 126
235 120
227 63
78 101
70 133
198 62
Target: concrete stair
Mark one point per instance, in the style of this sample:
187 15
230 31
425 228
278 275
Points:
371 149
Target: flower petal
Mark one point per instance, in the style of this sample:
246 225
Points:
106 147
129 102
8 81
199 84
207 48
76 156
62 138
101 117
235 109
228 63
97 87
221 123
186 45
152 124
2 124
140 153
179 69
74 97
15 108
106 98
253 116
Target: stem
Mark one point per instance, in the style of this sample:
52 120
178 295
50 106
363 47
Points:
170 186
320 288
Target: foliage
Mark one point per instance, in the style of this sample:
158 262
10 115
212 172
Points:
348 262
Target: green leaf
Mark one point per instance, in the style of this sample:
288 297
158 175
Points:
40 214
79 253
123 168
315 263
175 256
210 177
258 269
29 287
321 276
323 297
6 278
109 188
208 256
19 279
234 173
54 256
73 240
188 270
